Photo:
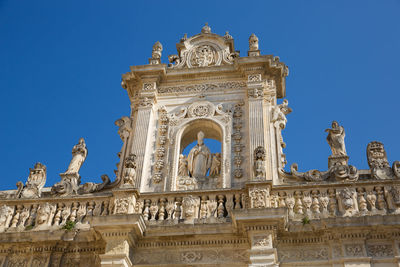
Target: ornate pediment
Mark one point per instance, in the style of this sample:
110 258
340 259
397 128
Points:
206 49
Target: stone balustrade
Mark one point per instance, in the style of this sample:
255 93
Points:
304 202
337 200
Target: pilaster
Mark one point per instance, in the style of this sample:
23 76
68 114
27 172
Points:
255 116
261 226
120 233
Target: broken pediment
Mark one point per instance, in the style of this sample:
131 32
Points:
206 49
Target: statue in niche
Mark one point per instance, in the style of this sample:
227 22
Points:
259 166
215 169
79 153
199 158
183 166
335 139
130 170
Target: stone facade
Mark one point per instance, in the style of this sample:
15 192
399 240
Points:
235 207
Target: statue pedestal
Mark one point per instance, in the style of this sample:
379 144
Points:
337 160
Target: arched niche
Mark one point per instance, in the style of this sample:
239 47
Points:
212 128
208 127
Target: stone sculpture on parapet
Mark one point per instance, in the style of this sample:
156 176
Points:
335 140
34 184
338 168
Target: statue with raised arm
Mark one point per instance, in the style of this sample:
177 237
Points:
79 153
199 158
335 139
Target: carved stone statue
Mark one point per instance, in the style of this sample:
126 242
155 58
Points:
125 128
253 42
156 53
335 139
70 180
6 213
129 177
157 49
259 166
35 182
79 153
279 114
199 159
206 29
183 166
215 165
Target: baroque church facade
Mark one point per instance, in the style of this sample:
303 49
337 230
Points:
176 201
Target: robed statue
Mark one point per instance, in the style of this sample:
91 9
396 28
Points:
79 153
199 158
335 139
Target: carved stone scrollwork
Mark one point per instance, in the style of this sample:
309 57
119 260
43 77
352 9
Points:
338 173
199 88
93 187
35 182
201 109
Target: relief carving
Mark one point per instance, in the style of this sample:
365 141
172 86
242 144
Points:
34 184
259 197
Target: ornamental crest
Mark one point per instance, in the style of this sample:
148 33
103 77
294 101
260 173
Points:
201 109
203 56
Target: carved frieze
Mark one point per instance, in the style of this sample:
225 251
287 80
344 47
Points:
198 88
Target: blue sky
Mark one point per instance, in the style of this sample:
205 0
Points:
62 63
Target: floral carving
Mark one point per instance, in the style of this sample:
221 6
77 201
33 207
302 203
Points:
381 251
198 88
354 250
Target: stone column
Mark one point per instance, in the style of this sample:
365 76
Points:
120 234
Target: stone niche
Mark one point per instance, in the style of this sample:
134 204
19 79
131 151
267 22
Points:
202 120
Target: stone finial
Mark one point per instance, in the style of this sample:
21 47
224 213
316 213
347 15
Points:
206 29
253 46
156 53
227 36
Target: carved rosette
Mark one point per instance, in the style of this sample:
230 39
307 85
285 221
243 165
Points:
161 152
